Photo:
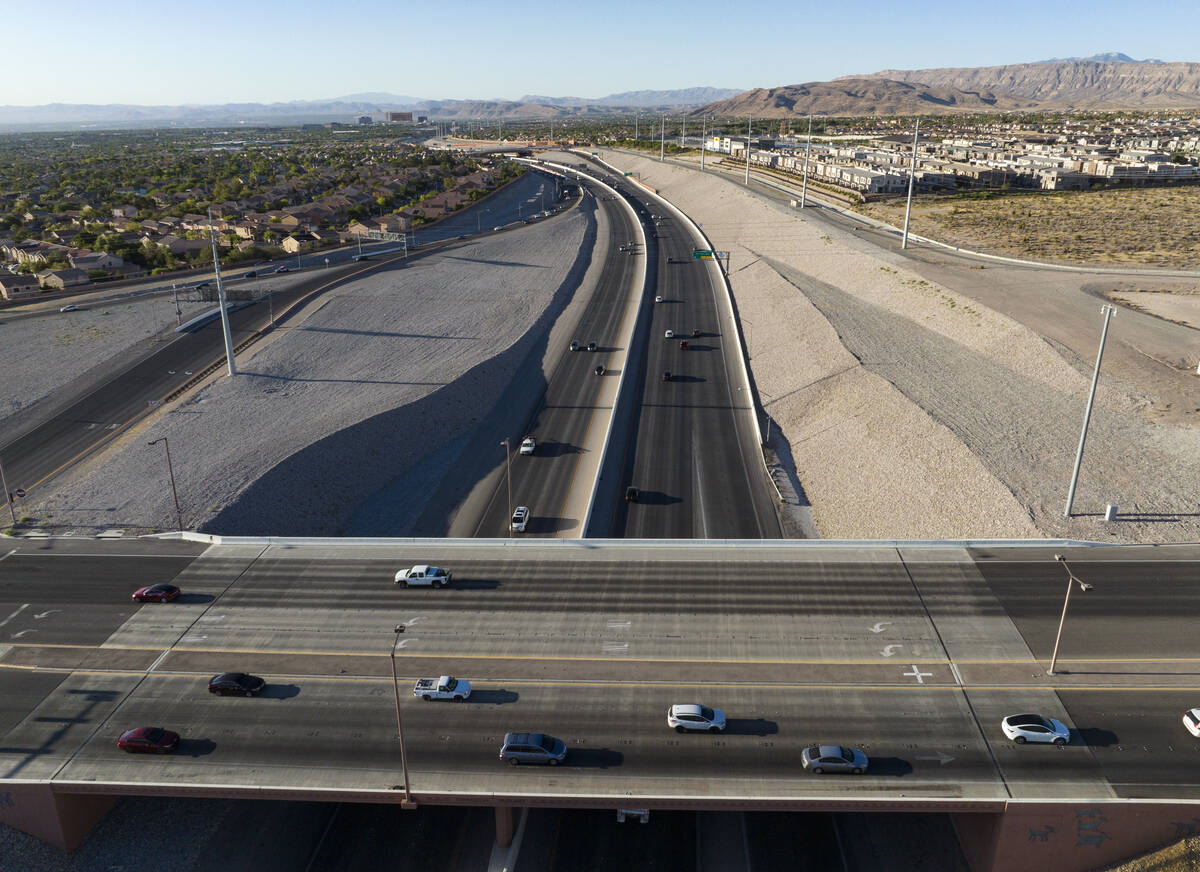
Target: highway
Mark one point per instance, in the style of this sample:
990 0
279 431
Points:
61 430
572 400
914 654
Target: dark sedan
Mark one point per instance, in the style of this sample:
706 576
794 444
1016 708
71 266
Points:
148 740
156 593
236 684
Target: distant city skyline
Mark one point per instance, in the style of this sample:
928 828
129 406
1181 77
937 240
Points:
226 52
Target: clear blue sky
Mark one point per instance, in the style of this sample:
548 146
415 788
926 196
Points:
133 51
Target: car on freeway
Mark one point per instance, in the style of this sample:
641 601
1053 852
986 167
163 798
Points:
599 370
670 334
253 274
819 759
666 375
148 740
359 257
69 309
520 518
1035 728
592 346
202 286
696 333
684 718
156 593
532 748
423 574
670 260
658 299
235 684
283 268
1191 720
527 445
495 228
574 346
683 345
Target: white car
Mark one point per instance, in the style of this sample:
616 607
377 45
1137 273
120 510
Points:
1191 720
670 334
69 309
423 574
658 299
520 518
528 444
683 718
1035 728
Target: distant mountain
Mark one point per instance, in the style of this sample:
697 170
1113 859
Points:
1073 84
380 97
1104 57
635 99
858 96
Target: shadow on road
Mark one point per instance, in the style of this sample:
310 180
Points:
280 691
593 758
751 727
1096 738
196 747
894 766
493 697
195 598
656 498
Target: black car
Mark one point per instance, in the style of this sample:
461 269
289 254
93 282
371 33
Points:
632 494
236 684
666 375
599 370
252 274
591 346
696 333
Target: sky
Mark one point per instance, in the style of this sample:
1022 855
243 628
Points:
168 53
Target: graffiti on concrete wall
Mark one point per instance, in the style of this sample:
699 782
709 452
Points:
1087 828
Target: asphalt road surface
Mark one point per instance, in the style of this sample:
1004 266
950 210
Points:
911 654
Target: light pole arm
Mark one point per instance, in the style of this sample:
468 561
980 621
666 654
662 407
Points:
1062 620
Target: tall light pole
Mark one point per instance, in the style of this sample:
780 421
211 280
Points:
703 140
407 803
807 150
1087 411
230 365
749 121
1071 582
662 139
7 495
508 475
171 472
912 172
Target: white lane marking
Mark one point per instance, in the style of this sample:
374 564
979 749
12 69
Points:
45 614
957 674
14 614
878 628
402 643
620 625
616 647
942 759
918 674
9 554
160 659
22 633
889 651
211 618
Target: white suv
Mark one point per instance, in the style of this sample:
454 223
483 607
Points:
695 717
1035 728
520 518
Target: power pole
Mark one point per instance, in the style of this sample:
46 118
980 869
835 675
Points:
807 149
912 173
749 121
703 140
662 139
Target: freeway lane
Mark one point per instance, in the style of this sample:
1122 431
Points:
544 481
907 652
692 454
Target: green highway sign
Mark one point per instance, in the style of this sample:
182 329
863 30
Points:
701 254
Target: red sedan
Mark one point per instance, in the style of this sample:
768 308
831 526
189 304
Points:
156 593
148 740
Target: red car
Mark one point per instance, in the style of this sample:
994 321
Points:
156 593
148 740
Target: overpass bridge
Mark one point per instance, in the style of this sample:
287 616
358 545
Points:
913 651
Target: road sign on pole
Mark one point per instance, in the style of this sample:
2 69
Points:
702 254
20 493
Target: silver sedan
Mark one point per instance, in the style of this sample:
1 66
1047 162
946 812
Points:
819 759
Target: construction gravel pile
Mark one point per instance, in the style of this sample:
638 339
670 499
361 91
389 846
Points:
372 378
913 411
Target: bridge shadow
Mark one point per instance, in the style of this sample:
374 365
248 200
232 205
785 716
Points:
196 747
280 691
493 697
593 758
751 727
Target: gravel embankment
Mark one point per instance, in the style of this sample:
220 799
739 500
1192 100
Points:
913 411
336 404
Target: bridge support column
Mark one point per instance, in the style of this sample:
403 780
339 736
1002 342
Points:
504 825
1072 837
59 819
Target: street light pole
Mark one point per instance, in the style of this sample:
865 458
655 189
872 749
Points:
807 150
912 173
8 496
1071 582
171 471
407 803
1087 411
508 475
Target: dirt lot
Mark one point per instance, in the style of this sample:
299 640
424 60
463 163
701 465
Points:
1155 226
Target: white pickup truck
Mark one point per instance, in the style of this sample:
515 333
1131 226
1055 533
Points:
422 574
444 687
